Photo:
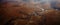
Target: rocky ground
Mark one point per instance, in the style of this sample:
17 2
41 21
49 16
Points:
28 14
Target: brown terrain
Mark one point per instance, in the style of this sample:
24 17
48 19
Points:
11 14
